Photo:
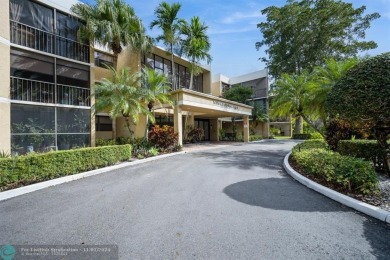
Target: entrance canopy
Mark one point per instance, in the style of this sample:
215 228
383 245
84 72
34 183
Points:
207 106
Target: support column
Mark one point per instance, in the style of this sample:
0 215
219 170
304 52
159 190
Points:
178 124
214 130
246 128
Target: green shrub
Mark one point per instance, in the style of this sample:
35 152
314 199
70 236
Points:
35 167
343 172
105 142
255 138
301 136
153 151
311 144
274 131
163 137
365 149
316 135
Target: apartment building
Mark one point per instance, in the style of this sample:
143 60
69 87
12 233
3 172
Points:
46 77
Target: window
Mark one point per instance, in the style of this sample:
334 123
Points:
103 60
103 123
30 65
31 14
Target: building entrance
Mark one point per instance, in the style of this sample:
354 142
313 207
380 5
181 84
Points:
205 125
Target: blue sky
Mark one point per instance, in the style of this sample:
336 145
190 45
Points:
233 31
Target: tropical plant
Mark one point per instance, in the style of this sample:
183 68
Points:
169 23
259 115
302 34
163 137
156 91
363 95
121 96
292 95
112 23
196 44
325 78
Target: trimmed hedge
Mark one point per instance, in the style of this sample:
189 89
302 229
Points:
255 138
343 172
365 149
307 136
310 144
35 167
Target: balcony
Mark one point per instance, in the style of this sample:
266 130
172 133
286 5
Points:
40 40
49 93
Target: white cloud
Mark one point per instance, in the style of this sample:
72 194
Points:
232 30
239 16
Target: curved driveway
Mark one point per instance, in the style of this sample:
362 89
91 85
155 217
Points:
234 202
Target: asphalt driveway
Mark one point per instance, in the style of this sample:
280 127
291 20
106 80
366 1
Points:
233 202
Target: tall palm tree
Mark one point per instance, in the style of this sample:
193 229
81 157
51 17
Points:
121 95
326 78
293 95
196 44
112 23
156 91
169 23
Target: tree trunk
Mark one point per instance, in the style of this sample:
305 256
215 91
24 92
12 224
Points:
381 137
173 69
191 79
114 128
298 125
146 128
128 126
312 125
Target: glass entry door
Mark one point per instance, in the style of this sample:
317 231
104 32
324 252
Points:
205 125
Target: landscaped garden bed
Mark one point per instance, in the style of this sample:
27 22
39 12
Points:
351 176
34 167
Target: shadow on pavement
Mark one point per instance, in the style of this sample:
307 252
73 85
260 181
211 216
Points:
377 234
278 194
246 160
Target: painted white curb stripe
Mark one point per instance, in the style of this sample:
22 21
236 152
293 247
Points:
343 199
41 185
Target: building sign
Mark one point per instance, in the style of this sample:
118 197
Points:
225 105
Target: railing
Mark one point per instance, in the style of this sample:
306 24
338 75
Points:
32 90
37 39
69 95
46 92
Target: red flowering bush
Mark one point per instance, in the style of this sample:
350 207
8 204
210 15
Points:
163 137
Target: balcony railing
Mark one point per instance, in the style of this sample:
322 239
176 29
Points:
37 39
46 92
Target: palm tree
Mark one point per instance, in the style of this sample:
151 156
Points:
196 45
156 91
169 23
112 23
121 96
293 95
326 78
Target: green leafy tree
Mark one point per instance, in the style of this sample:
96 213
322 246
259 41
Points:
325 78
196 45
302 34
121 95
292 95
238 93
112 23
259 115
363 95
156 91
169 23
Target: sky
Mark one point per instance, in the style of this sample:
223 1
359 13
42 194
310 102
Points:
233 28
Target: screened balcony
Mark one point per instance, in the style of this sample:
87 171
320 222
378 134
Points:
49 93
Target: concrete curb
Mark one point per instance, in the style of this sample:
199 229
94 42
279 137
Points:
343 199
42 185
